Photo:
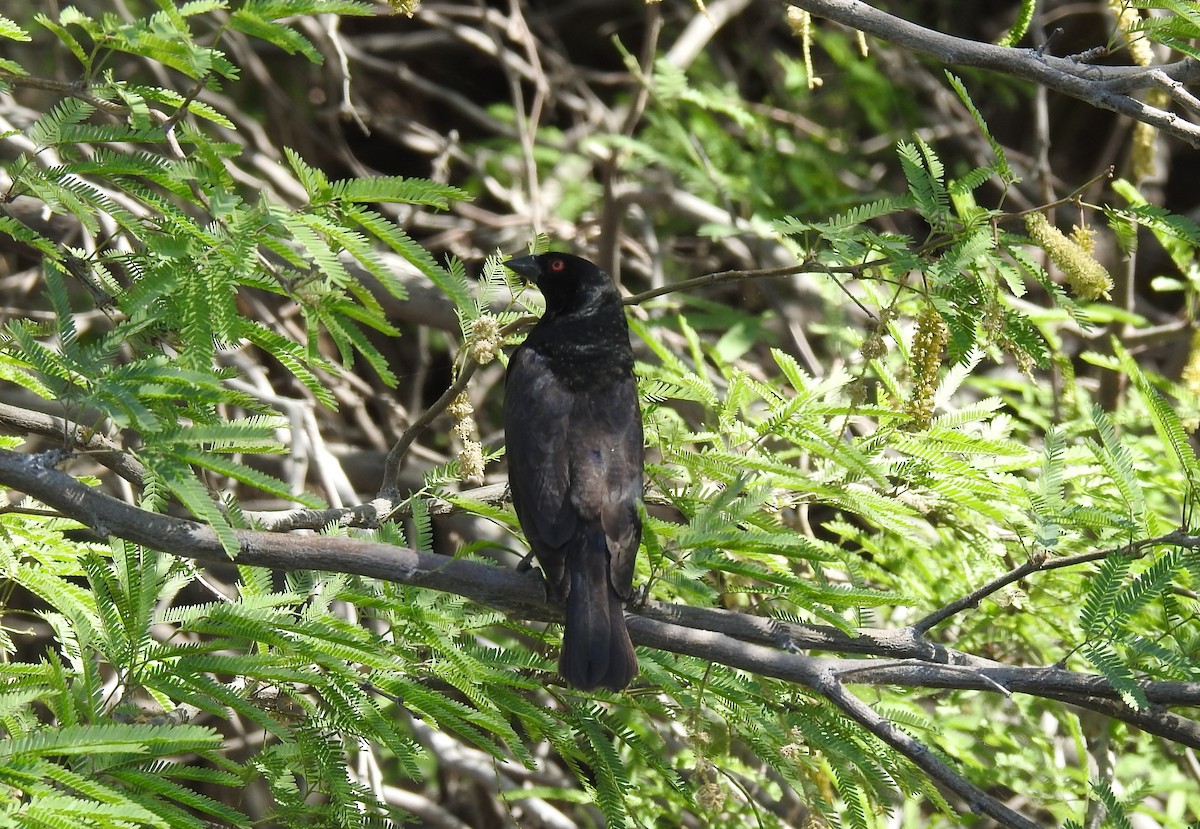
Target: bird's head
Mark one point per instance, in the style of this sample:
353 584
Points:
567 282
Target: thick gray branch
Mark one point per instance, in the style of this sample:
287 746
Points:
817 674
913 663
760 645
1107 87
507 590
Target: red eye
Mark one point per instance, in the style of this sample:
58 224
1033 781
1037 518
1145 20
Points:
557 265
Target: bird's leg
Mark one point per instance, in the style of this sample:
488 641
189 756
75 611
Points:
525 563
639 598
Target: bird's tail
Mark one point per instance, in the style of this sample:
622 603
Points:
596 650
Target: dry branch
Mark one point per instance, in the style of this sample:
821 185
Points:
1106 87
756 644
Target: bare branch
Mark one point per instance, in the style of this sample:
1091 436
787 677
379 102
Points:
1106 87
764 646
74 436
1041 562
807 266
506 590
817 675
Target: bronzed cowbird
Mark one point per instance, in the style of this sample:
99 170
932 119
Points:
574 442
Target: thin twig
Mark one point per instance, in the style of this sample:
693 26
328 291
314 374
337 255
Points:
390 489
169 124
78 90
99 446
719 277
1041 562
979 801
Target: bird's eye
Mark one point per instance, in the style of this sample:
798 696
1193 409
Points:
557 265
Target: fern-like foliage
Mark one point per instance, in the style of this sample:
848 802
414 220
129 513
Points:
1177 27
180 251
196 250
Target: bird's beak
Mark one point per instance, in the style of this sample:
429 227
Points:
526 267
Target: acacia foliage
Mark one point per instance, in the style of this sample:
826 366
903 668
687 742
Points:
932 397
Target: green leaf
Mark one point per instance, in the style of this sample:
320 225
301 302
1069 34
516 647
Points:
246 21
65 36
925 175
1164 417
101 739
1117 461
1007 176
12 31
1117 672
1097 612
398 189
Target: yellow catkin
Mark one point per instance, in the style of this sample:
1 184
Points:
1087 277
470 453
711 796
460 408
794 749
1085 237
405 7
470 462
800 22
1143 150
873 347
1191 372
1129 22
484 340
929 341
1142 155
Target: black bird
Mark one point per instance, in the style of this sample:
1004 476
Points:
574 435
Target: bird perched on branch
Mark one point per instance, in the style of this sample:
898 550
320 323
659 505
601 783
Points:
574 435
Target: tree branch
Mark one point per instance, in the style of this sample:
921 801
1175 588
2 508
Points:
1042 562
74 436
912 661
818 675
918 663
507 590
1106 87
719 277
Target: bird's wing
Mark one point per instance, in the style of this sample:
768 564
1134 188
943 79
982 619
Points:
606 472
537 422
